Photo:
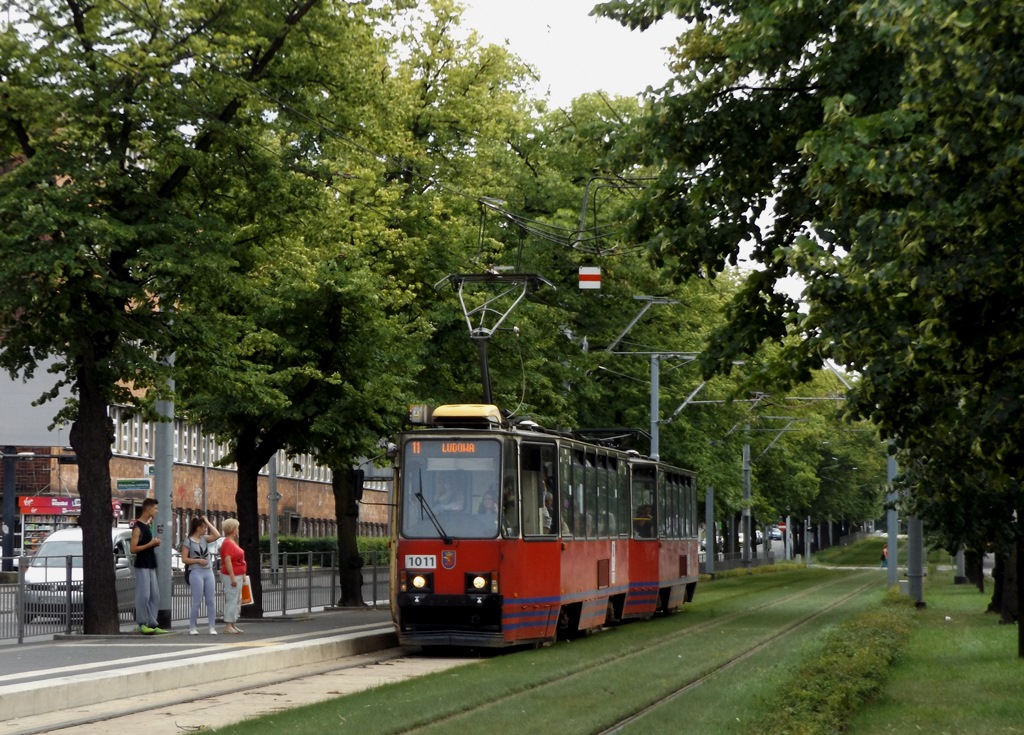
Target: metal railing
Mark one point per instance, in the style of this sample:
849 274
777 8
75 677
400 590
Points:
296 582
734 560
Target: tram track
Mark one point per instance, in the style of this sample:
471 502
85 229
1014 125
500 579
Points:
200 708
691 685
595 667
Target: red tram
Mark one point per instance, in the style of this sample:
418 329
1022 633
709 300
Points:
506 534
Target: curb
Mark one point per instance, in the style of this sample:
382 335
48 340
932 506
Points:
60 693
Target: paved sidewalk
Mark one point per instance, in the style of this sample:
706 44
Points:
72 674
195 709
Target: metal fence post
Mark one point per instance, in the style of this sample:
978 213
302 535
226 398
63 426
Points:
376 563
334 576
309 582
67 595
284 585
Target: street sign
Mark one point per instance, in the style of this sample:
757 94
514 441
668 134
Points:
590 277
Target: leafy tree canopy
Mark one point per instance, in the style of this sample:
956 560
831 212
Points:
873 149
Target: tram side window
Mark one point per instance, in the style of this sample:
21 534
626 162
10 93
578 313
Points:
689 503
579 520
539 510
564 497
643 499
622 511
590 505
677 507
510 494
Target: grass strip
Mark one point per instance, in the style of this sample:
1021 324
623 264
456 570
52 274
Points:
959 674
850 669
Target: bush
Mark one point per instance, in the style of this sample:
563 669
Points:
850 669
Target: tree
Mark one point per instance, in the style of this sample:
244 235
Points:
882 140
133 163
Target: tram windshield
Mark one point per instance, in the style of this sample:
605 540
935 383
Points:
450 488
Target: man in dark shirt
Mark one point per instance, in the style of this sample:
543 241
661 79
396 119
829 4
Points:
147 589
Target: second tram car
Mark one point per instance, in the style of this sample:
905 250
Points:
505 534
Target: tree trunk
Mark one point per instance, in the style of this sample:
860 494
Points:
1020 581
91 437
253 449
247 505
974 568
350 563
996 603
1008 612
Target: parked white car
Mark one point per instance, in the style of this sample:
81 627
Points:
46 577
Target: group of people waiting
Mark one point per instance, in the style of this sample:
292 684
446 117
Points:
198 559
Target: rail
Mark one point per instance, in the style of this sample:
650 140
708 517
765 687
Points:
296 582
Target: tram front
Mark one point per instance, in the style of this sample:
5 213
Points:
456 504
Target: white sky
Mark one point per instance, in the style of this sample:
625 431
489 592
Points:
576 53
573 52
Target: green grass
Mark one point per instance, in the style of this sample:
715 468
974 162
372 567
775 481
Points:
948 676
867 553
960 673
863 553
615 670
849 670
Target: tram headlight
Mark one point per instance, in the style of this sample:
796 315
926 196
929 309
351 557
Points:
415 581
481 583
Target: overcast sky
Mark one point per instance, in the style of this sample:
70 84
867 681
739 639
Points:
574 52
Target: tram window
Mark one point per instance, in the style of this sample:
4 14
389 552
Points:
443 488
622 511
538 489
604 520
643 499
564 497
578 520
687 507
510 493
590 505
677 507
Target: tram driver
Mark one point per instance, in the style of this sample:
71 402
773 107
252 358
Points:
449 498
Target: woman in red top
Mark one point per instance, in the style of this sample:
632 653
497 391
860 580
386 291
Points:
232 570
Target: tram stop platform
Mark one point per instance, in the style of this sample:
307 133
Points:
67 676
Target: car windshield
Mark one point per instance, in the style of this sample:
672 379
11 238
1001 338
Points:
53 553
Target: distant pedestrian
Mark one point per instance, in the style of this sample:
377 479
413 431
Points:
147 589
195 553
885 556
232 571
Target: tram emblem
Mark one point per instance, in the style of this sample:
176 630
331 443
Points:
448 559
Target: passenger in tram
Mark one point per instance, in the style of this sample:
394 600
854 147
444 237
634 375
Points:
488 504
486 516
545 514
643 523
510 508
447 498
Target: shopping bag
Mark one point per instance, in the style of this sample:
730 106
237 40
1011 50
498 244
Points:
246 591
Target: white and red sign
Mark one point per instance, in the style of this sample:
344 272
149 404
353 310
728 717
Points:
590 277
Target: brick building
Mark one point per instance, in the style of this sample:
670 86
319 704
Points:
45 482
